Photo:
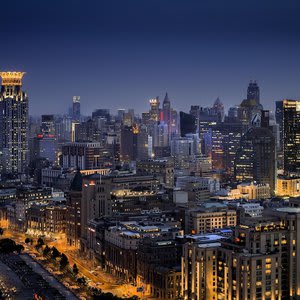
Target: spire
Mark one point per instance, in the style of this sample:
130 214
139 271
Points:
166 99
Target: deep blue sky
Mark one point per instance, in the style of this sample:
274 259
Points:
118 54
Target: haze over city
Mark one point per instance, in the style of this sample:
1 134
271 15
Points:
117 54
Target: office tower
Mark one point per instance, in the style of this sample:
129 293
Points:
128 148
87 132
127 119
183 146
166 112
251 105
73 204
154 109
288 118
85 156
187 123
63 128
44 146
13 123
160 134
218 109
48 126
121 112
256 157
253 92
101 113
143 143
76 108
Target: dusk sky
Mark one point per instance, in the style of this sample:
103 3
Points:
119 54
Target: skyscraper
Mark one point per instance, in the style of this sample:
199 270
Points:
288 119
166 109
76 108
154 109
48 126
256 157
13 123
253 91
187 124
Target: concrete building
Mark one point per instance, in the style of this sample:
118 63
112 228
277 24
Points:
163 169
256 158
81 155
208 218
73 217
254 190
13 124
259 261
102 195
288 186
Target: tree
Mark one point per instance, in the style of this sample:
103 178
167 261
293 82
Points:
75 270
28 241
46 251
40 241
1 231
82 280
63 261
55 253
19 248
7 246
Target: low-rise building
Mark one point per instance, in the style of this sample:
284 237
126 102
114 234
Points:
288 186
122 242
208 218
46 219
255 191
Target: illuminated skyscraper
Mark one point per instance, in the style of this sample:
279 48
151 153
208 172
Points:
76 108
288 119
256 157
154 109
13 123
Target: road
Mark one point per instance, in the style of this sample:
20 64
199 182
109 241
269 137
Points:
108 283
48 277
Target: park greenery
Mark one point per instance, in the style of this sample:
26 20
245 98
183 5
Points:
8 246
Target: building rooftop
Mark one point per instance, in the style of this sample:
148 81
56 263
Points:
294 210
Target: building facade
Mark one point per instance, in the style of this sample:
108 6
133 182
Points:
13 123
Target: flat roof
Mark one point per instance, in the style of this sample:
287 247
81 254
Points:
289 209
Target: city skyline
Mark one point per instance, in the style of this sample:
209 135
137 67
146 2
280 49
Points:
118 55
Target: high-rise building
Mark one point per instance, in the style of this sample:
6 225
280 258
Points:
154 109
128 148
256 157
73 217
253 91
187 124
85 156
166 112
288 118
48 126
260 261
76 108
13 123
160 134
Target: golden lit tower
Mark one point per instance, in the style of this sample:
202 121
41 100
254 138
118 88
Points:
13 124
154 109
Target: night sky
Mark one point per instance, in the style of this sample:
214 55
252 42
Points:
119 54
